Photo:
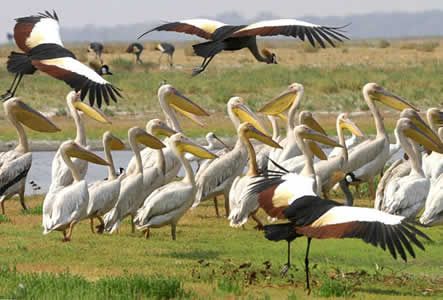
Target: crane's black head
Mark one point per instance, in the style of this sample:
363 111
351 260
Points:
104 70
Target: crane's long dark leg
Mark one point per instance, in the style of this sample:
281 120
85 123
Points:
11 91
308 287
203 66
286 267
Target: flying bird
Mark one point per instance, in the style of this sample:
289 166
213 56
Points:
38 36
235 37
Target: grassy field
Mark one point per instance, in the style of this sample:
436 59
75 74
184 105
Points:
332 77
208 260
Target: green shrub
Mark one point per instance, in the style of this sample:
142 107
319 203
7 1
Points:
334 288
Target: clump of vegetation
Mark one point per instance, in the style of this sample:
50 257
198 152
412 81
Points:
4 219
334 288
229 286
383 44
35 211
17 285
121 63
61 112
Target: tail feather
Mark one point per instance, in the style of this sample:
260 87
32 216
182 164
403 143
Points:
20 63
208 49
111 220
280 232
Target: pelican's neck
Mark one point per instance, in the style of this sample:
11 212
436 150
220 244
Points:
275 128
252 164
75 173
440 133
233 118
292 113
308 169
135 148
342 141
22 145
171 117
189 173
412 151
80 137
379 126
431 124
111 169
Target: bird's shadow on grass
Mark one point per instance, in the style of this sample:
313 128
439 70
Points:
193 254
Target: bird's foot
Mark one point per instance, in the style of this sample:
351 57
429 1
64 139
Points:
197 71
284 270
66 239
308 291
6 95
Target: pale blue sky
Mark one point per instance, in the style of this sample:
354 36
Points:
77 13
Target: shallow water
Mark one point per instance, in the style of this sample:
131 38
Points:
40 171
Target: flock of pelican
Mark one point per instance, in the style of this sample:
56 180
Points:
274 172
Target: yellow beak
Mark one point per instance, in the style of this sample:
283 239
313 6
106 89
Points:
75 150
29 116
245 114
313 135
177 100
431 143
114 142
252 132
163 130
148 140
317 151
280 103
193 148
391 100
351 126
309 121
92 112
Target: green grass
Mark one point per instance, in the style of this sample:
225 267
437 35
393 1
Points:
208 260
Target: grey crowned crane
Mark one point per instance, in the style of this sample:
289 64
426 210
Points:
168 49
316 218
235 37
136 49
97 48
38 36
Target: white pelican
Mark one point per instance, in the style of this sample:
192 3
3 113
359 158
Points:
433 213
296 163
331 171
433 162
263 151
38 36
60 173
406 195
103 194
131 190
215 144
289 186
167 204
172 102
15 164
287 100
65 206
401 167
368 158
241 203
216 177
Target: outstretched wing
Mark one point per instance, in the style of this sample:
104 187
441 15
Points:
35 30
203 28
295 28
319 218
